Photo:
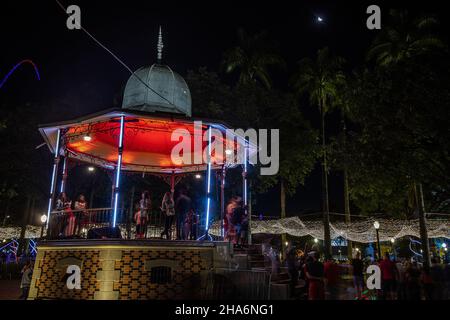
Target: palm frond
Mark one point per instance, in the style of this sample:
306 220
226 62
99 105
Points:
426 22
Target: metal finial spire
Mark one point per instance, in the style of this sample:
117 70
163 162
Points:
160 45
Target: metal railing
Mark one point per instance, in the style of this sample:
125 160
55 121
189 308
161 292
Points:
238 284
76 223
66 224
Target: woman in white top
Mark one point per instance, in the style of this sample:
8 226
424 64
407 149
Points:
168 208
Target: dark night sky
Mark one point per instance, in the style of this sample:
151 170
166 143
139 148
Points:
80 77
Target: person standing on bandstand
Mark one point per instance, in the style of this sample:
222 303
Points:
168 209
145 207
182 207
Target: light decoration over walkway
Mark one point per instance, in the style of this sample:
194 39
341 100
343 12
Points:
359 231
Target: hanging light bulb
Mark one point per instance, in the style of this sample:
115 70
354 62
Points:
87 138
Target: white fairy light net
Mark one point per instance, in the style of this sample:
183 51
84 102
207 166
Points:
359 231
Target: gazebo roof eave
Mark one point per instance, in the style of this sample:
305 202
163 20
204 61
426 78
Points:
116 112
111 112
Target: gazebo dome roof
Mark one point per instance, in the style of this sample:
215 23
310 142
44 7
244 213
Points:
157 89
171 93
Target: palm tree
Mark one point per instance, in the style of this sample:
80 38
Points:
321 80
252 57
403 38
345 110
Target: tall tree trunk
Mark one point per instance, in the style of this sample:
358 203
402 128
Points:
423 226
283 215
347 211
346 190
325 206
24 226
31 216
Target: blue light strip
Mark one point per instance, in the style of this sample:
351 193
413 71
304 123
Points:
223 194
64 171
209 180
53 178
16 66
122 121
245 171
119 165
53 182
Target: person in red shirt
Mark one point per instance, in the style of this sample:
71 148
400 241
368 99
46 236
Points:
388 277
314 273
331 274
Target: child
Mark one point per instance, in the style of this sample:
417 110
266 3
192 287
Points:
139 224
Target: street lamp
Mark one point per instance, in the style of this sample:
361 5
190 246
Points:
393 248
376 225
43 220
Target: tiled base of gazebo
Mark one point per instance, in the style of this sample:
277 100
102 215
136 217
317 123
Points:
127 269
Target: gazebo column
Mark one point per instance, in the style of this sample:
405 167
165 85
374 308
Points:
118 170
54 178
172 182
245 189
64 171
222 199
208 190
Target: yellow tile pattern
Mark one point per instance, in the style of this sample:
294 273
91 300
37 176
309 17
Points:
187 281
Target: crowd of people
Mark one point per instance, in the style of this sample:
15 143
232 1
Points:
179 212
401 279
70 216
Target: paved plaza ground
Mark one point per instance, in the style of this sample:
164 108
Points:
9 289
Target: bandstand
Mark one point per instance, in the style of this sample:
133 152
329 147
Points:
138 138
